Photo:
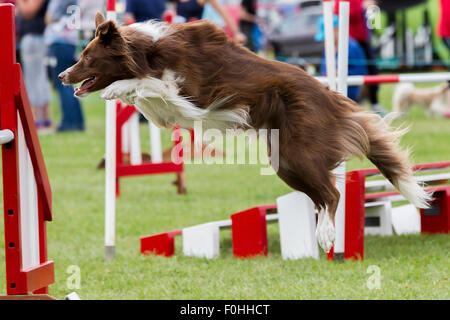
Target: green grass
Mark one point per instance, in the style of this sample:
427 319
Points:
412 267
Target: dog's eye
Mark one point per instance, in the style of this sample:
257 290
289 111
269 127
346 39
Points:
86 57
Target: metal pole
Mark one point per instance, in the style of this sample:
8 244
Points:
330 51
344 13
110 164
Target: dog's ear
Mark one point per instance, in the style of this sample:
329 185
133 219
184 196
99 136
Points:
99 19
107 32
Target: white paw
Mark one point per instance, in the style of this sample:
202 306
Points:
109 93
325 233
120 88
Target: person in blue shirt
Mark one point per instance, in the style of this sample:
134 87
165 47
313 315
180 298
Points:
143 10
357 61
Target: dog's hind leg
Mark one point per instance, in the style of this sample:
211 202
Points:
318 185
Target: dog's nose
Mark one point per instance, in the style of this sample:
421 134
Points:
62 75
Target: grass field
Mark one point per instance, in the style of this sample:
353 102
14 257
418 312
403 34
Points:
411 267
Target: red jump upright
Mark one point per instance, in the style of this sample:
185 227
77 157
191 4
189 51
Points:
123 169
26 188
435 219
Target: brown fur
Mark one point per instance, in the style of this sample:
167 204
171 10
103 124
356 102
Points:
318 128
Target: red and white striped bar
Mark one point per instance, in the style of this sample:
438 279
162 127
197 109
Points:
394 78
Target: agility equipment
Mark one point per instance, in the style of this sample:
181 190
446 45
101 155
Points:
110 162
128 145
344 213
433 220
394 78
344 21
27 197
296 218
122 139
368 212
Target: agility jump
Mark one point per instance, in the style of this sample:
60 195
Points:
27 197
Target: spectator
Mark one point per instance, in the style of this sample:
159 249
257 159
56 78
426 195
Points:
191 10
31 26
360 33
88 9
215 12
444 32
62 39
357 59
143 10
247 22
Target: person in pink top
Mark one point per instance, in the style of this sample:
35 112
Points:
444 22
359 32
444 32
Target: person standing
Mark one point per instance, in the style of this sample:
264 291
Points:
247 22
30 30
212 10
88 9
359 32
62 39
357 59
143 10
444 32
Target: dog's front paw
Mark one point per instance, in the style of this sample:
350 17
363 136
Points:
109 93
120 89
325 233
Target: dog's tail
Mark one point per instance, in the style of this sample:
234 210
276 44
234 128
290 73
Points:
368 134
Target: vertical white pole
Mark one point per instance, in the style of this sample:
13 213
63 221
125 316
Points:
29 215
344 13
155 143
126 138
135 140
330 51
110 166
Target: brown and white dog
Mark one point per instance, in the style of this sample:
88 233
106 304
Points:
187 72
432 99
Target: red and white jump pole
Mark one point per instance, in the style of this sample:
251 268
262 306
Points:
393 78
110 162
27 198
344 15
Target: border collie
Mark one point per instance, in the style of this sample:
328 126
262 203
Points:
181 73
432 99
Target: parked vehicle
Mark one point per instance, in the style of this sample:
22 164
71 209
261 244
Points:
294 36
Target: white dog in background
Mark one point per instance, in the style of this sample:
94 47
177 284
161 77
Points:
434 99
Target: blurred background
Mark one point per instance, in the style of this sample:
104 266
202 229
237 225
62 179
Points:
393 36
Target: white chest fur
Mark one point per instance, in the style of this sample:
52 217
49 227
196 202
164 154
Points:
159 101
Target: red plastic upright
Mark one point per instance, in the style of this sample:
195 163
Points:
354 216
436 219
124 112
160 244
249 232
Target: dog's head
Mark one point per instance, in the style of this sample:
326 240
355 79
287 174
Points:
104 60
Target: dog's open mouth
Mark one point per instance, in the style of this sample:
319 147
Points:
85 86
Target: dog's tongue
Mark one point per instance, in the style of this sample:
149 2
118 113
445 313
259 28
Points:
84 87
79 91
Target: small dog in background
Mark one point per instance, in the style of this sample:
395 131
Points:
433 99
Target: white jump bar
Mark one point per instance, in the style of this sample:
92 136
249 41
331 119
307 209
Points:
376 184
272 217
394 78
6 136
